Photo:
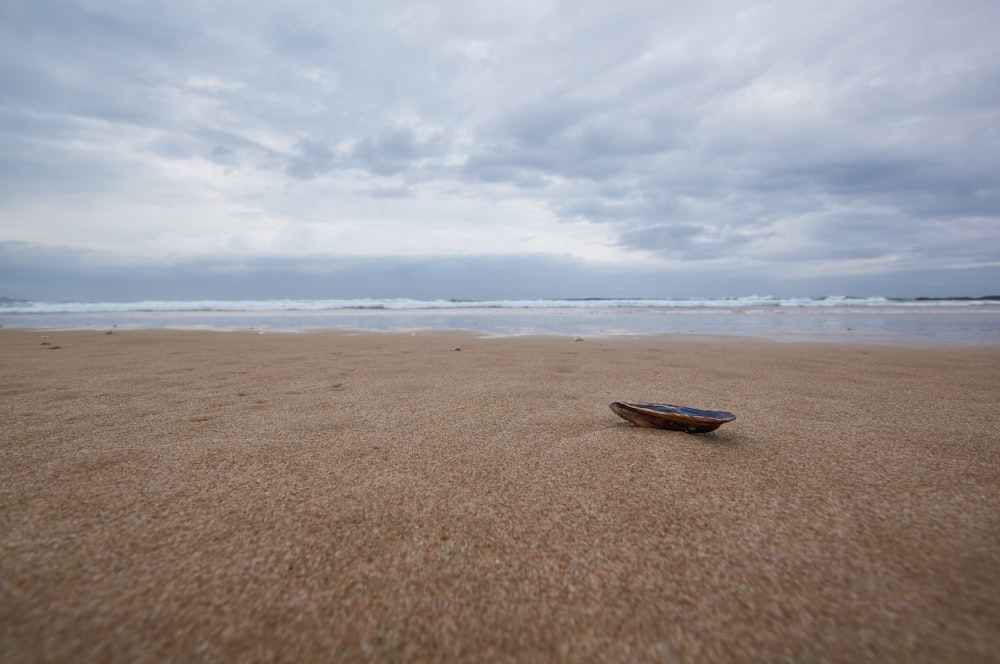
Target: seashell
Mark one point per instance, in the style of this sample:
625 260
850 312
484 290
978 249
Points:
666 416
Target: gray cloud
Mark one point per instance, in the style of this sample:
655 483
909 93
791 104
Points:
395 149
59 274
687 241
311 159
769 135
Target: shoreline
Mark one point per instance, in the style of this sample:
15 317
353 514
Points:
979 339
878 321
840 339
173 494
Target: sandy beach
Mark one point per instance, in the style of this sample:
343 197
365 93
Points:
209 496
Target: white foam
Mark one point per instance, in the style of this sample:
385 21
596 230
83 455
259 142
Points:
403 304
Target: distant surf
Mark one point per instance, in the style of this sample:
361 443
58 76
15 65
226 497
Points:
965 321
12 306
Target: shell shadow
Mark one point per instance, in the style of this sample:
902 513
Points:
721 438
724 438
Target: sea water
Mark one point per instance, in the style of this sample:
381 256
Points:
830 318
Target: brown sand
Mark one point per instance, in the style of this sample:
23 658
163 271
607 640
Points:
205 496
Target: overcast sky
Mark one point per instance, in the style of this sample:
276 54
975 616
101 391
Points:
535 148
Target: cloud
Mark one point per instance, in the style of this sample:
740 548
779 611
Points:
311 159
853 137
60 274
687 242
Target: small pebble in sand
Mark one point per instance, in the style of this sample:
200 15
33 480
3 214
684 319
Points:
456 348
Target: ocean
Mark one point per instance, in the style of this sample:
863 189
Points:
962 321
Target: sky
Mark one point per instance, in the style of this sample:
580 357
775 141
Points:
196 149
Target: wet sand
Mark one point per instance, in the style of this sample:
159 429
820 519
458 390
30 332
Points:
181 496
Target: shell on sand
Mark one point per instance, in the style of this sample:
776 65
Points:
666 416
